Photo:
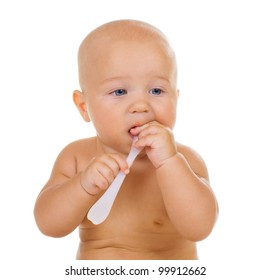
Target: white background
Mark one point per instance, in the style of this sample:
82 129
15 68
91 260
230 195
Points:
224 70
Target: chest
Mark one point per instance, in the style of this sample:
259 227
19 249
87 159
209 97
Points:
139 200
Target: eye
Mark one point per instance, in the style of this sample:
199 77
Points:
155 91
119 92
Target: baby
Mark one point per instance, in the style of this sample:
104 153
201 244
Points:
128 80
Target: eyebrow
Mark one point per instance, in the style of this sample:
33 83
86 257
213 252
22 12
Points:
166 79
111 79
107 80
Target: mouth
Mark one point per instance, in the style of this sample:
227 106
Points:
135 125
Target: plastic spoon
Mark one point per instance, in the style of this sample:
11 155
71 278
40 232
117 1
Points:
101 209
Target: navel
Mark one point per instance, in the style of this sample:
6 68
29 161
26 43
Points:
158 222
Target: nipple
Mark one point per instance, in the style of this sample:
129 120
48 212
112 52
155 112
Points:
101 209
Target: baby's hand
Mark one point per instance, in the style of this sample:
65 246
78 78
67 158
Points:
101 172
157 140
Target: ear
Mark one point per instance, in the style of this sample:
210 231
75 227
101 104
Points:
178 93
79 100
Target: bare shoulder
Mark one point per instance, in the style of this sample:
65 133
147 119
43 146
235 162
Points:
67 164
80 147
194 160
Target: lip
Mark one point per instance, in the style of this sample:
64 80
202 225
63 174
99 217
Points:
136 124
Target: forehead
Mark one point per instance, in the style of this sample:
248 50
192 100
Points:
130 55
117 42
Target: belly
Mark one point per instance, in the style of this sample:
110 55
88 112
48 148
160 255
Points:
133 244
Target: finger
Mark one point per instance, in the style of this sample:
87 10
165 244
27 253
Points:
150 130
116 162
136 130
147 141
104 176
121 163
107 174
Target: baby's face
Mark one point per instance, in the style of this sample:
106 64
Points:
130 84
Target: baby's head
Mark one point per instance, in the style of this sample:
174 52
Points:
128 77
104 37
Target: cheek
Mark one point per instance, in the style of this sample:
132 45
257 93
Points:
99 117
105 118
166 113
96 108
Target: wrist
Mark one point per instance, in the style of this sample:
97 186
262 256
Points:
167 161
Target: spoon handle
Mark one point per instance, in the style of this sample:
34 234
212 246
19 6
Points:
101 209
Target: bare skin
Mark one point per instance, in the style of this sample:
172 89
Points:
165 204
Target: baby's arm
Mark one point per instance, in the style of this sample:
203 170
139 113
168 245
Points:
66 198
189 200
183 181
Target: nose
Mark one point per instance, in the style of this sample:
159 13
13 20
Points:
139 106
